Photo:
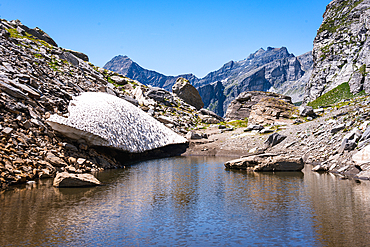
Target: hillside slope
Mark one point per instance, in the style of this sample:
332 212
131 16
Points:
341 49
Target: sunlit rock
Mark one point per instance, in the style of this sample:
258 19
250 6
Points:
70 180
105 120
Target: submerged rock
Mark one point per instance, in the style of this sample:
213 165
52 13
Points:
105 120
68 180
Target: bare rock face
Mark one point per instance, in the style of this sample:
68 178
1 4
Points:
266 162
268 110
341 49
70 180
188 93
241 107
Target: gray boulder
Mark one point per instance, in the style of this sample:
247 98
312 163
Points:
306 111
78 54
188 93
366 134
159 94
254 127
337 128
274 139
206 112
191 135
70 180
347 145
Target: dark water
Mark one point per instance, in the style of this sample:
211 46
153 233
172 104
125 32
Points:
190 201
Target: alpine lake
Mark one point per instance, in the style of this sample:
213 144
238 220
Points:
189 201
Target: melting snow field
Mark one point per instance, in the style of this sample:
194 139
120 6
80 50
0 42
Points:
106 120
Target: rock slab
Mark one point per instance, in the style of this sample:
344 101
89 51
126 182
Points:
266 163
71 180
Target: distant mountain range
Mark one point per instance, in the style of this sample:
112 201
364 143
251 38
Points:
273 69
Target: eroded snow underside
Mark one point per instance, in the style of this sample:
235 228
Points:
120 123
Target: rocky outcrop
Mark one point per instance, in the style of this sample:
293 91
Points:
187 93
266 163
270 110
39 79
241 107
78 54
72 180
341 49
106 120
274 69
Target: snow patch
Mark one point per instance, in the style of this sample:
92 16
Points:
113 122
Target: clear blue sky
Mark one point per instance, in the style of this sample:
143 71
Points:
172 37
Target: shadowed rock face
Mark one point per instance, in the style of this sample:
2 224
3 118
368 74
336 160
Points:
341 49
105 120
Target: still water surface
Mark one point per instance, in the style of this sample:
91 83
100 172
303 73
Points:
190 201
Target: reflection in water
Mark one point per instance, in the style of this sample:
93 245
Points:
189 201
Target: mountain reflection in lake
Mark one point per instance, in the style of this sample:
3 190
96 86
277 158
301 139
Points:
190 201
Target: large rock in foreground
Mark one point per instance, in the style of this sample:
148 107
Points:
187 93
266 163
105 120
70 180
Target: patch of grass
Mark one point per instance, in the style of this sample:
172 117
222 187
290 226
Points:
239 123
54 64
335 95
37 55
334 23
15 34
362 70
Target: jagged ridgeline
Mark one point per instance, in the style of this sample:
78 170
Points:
341 53
274 69
38 79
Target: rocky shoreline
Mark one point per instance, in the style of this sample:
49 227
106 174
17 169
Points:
328 142
38 79
40 84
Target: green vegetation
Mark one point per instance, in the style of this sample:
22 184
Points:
239 123
16 35
54 64
334 96
37 55
332 24
362 70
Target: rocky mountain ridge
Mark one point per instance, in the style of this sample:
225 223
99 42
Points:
274 69
341 49
125 66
